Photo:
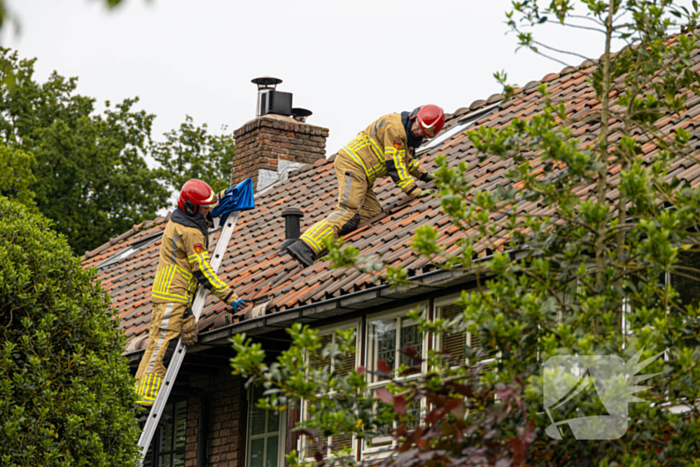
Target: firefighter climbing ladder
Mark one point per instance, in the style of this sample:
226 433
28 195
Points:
174 367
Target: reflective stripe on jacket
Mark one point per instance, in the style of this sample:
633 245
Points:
184 263
382 149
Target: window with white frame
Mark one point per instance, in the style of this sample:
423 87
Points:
386 334
168 446
265 433
458 342
348 363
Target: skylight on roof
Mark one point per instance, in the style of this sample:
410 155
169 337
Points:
459 127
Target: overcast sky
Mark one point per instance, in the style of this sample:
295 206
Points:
348 61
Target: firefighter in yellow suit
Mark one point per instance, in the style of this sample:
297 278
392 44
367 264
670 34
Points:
182 266
385 148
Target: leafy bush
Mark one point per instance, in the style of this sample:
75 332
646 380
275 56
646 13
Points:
65 391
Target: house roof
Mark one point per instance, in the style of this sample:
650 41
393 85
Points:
254 266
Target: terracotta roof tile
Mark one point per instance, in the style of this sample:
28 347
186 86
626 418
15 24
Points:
254 267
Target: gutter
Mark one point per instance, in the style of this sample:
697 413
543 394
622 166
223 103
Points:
355 301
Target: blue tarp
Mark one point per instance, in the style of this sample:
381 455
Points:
237 198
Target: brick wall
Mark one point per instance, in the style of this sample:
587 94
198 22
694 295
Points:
226 400
262 142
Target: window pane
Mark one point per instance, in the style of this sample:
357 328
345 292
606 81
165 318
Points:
164 461
455 342
382 431
348 362
339 442
316 359
180 425
273 421
257 416
272 446
410 335
688 289
257 453
414 413
384 338
166 431
309 445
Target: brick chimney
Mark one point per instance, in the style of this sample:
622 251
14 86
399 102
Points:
277 141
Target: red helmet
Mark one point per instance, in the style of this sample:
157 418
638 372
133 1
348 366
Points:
195 193
431 119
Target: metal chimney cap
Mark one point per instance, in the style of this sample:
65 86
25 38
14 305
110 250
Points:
266 81
299 112
292 212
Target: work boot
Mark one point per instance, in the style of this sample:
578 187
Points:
302 253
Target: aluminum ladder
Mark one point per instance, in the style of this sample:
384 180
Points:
181 350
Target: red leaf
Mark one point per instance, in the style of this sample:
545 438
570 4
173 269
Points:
361 370
400 405
401 430
433 416
451 404
409 350
463 389
417 434
385 396
406 445
436 399
318 457
383 366
518 448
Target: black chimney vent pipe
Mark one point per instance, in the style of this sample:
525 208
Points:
292 224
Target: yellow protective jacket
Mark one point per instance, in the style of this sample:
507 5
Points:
382 149
184 262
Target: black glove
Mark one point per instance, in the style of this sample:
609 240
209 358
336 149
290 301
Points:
428 177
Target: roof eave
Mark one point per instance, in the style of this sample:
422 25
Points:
433 281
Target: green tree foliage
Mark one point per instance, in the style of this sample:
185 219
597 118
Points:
593 275
191 152
66 394
16 175
91 177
